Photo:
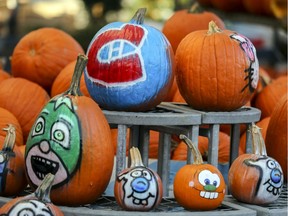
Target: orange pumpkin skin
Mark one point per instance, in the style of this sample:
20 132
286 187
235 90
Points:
267 99
188 190
41 54
24 99
63 80
246 180
276 135
214 71
4 75
183 22
6 117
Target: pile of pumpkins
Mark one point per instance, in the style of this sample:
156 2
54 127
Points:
60 143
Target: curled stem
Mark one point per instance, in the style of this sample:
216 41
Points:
197 157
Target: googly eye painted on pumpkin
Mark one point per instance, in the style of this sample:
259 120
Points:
136 173
39 126
209 180
147 175
30 208
60 133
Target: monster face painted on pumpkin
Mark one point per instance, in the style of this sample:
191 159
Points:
30 207
54 143
270 177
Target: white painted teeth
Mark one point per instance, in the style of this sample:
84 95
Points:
209 195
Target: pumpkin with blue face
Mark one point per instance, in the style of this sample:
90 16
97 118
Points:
130 66
71 139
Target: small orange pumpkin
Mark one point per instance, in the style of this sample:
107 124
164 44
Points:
216 70
255 178
13 178
183 22
41 54
24 99
6 117
37 203
276 135
198 186
138 188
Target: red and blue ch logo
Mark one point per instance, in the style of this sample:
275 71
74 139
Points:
115 56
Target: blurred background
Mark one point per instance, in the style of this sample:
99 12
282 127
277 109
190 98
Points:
83 18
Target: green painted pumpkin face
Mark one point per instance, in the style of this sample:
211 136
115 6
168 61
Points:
54 142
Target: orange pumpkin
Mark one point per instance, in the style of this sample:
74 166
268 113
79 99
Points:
216 70
71 139
276 135
255 178
267 99
183 22
258 7
37 203
13 179
24 99
63 80
229 6
138 188
4 75
41 54
6 117
263 124
198 186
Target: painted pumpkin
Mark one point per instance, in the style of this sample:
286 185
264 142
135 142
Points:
183 22
12 171
37 203
138 188
198 186
255 178
216 70
130 66
71 139
41 54
276 135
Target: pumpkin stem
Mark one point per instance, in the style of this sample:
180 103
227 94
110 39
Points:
197 157
43 191
258 143
195 8
74 88
213 28
136 159
139 16
10 138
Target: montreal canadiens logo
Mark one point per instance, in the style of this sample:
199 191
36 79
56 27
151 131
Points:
115 57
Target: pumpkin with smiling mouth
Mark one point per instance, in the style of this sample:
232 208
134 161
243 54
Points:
71 139
198 186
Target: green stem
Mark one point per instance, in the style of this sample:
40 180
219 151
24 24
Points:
74 88
139 16
43 191
197 157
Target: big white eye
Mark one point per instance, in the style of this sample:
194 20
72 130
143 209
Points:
206 177
136 173
39 127
271 164
60 133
